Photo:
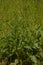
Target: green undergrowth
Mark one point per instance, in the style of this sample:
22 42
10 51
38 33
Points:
21 32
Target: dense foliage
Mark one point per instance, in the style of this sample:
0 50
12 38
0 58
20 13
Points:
21 32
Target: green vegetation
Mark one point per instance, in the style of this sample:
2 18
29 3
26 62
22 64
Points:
21 32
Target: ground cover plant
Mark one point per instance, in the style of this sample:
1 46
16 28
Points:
21 32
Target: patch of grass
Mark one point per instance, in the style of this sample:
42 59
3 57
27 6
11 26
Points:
21 31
